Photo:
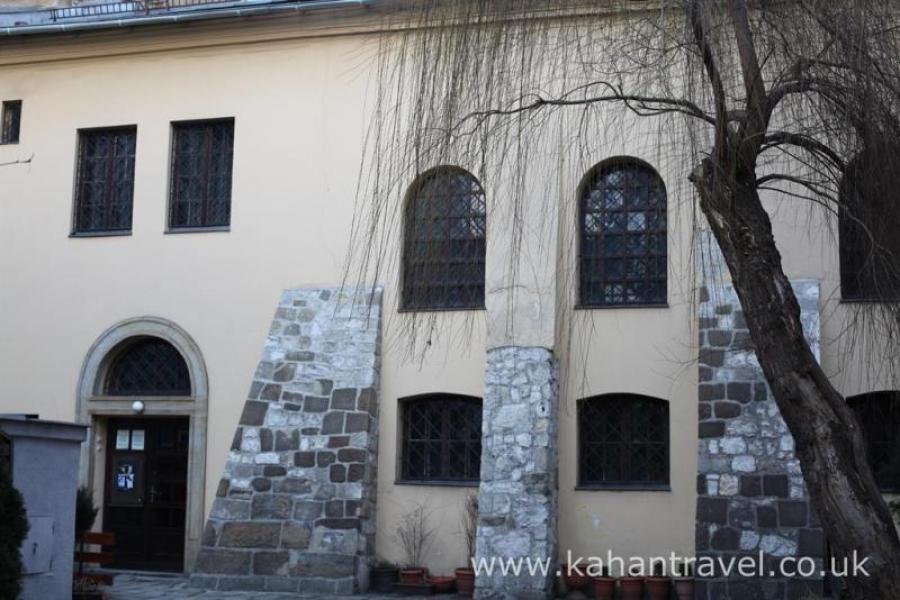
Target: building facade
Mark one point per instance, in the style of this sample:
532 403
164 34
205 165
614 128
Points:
176 212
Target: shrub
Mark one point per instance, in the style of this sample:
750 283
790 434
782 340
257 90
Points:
13 528
85 511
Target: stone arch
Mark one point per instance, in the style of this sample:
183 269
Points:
93 406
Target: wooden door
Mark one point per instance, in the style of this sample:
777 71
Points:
146 492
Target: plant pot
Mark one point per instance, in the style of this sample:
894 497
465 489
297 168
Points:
413 575
632 588
604 588
684 588
465 581
658 588
442 585
575 578
382 579
87 595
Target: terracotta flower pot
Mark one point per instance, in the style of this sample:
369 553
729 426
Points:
604 588
658 588
684 588
632 588
442 585
575 578
413 575
465 581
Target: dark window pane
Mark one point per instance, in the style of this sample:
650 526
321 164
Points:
441 439
623 237
444 247
624 440
879 415
148 366
11 121
202 155
104 192
869 220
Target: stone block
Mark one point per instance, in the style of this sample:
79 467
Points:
241 534
271 562
228 562
343 399
254 413
271 506
315 404
295 536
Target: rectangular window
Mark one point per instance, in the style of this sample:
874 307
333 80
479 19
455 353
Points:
441 439
200 189
12 118
104 191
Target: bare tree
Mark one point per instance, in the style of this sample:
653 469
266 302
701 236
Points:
790 99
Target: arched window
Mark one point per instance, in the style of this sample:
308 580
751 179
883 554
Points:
623 248
443 263
623 442
148 366
879 415
869 221
441 439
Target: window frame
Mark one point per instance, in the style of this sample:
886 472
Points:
77 199
856 403
402 477
406 305
626 485
588 181
170 226
6 129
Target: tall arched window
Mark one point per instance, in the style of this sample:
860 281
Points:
623 442
148 366
869 222
623 248
444 245
441 438
879 415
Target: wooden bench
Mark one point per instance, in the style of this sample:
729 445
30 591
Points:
95 538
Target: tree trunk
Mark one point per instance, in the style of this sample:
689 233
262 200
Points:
829 442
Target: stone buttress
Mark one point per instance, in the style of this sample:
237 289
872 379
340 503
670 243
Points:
294 510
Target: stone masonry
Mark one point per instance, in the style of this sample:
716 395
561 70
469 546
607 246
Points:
751 495
518 494
294 510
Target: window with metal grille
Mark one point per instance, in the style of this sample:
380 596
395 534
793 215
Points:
444 249
869 219
104 191
441 439
623 442
11 118
200 189
148 366
879 415
623 248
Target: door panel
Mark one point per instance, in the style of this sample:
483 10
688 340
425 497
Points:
146 491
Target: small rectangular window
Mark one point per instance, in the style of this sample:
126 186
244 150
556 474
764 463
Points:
12 118
441 439
200 187
104 191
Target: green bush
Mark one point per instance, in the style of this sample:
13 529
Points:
85 511
13 528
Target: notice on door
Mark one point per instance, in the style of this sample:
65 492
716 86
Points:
123 437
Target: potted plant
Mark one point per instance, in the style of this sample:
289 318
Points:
415 537
684 583
658 585
84 588
604 586
576 577
383 576
441 584
631 587
465 576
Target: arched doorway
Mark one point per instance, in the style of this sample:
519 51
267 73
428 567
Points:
143 391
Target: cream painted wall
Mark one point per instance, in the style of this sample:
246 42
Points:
300 115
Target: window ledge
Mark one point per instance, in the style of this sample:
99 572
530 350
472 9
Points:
869 300
619 306
624 487
459 484
211 229
431 310
93 234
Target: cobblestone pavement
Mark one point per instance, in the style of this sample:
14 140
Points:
153 587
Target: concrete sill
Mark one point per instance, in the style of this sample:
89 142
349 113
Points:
624 488
459 484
